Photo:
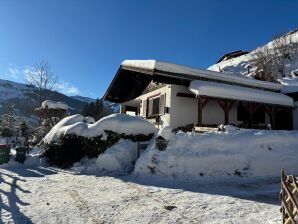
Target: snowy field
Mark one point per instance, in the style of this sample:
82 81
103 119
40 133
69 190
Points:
199 178
47 195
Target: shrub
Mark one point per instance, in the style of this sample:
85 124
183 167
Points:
72 148
6 132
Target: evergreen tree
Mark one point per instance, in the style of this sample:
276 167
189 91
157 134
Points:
96 110
24 129
9 119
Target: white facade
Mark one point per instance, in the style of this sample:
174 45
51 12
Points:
184 110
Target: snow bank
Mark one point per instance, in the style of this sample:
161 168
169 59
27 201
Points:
166 133
237 152
33 159
119 123
89 120
120 157
50 104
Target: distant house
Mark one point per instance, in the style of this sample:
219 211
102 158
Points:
173 95
51 112
233 54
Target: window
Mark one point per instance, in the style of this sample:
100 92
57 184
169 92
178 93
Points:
155 106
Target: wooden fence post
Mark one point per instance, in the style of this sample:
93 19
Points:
289 198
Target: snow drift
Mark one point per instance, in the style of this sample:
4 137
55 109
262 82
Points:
234 152
119 123
120 157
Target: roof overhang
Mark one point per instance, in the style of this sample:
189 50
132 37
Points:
239 93
133 77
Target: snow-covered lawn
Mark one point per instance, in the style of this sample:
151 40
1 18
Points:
48 195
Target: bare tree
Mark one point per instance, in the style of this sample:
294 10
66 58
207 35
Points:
42 78
276 58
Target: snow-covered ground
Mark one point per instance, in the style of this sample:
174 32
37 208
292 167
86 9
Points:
226 153
48 195
229 176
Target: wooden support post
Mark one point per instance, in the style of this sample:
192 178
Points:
290 112
122 109
250 115
270 110
200 111
226 106
202 102
251 108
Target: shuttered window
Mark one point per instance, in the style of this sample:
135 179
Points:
145 108
156 106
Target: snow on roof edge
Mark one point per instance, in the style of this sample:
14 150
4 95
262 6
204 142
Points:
146 66
220 90
149 66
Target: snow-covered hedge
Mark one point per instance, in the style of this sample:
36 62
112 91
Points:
72 138
119 123
234 152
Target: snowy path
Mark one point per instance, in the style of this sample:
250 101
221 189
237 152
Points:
47 195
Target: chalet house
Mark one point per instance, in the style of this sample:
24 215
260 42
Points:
173 95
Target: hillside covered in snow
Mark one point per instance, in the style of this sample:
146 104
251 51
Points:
25 99
276 61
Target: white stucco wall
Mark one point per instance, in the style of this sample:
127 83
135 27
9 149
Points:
184 111
213 114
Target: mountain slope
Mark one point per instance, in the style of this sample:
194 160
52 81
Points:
25 99
247 64
83 99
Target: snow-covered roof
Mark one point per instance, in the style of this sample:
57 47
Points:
213 89
290 85
50 104
168 69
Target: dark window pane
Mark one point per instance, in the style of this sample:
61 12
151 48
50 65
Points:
155 106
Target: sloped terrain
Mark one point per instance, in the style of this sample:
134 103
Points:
247 64
25 99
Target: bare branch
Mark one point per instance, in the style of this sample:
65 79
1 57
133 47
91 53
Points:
42 78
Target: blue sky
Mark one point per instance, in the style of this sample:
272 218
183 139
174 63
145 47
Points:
86 40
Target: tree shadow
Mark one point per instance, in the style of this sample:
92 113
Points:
11 206
39 171
13 201
263 190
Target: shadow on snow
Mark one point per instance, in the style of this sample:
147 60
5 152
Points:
13 201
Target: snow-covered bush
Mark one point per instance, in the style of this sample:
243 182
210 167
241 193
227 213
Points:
72 138
6 132
122 124
72 148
